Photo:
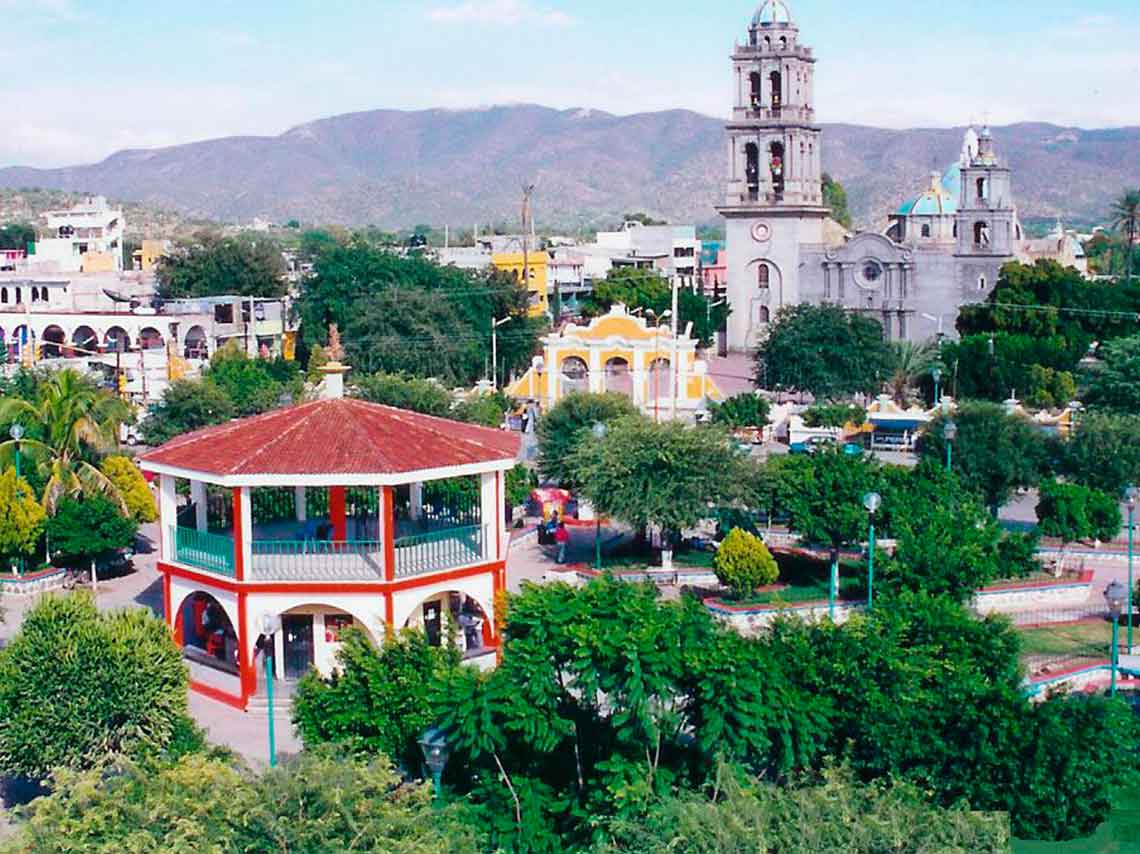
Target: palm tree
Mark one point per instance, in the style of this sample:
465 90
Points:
1126 218
69 426
909 363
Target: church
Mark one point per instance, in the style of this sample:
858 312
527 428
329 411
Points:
943 249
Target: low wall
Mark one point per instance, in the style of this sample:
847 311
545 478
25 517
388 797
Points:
1032 595
33 583
752 619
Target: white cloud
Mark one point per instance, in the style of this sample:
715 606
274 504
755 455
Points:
503 12
63 10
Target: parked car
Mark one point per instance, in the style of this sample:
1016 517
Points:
817 443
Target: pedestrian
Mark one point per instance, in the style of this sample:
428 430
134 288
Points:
562 537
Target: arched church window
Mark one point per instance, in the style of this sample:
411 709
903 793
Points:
955 230
926 230
981 234
783 42
1019 232
982 283
4 295
764 276
778 167
765 315
19 296
757 89
752 166
777 82
767 42
981 184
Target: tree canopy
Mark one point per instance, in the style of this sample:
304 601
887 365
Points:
649 290
1104 452
569 422
835 197
1116 384
17 235
743 410
87 529
825 351
21 517
1073 512
210 265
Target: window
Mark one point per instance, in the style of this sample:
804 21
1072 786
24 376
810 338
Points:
871 272
19 296
777 82
981 184
982 283
764 276
926 230
224 313
981 234
3 295
765 315
757 89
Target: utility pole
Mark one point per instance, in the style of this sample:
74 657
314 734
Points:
676 355
528 193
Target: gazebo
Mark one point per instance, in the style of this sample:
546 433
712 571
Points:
331 513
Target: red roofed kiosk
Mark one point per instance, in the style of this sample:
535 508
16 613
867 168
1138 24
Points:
323 515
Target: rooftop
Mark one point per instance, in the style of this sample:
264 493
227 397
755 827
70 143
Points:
334 437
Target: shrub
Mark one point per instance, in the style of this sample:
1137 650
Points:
744 563
131 484
21 516
743 410
77 686
84 530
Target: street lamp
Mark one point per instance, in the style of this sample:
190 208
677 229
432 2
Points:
269 626
495 324
950 431
658 319
1131 494
936 375
872 501
600 429
17 433
1114 596
435 750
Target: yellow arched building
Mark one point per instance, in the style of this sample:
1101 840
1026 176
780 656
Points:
621 353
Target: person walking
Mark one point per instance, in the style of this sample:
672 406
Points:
562 537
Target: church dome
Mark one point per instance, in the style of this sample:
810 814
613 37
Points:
936 200
773 13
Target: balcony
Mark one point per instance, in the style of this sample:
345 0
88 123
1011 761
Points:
210 552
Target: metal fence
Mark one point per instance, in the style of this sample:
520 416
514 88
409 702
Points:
317 560
1057 640
211 552
438 551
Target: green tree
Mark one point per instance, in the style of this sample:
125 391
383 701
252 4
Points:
316 802
1072 513
253 385
651 291
521 482
210 265
82 531
377 701
657 474
835 197
78 686
824 351
1116 385
1126 218
69 426
487 409
910 364
743 563
564 427
823 495
834 415
744 410
404 392
1104 452
17 235
131 484
21 517
186 405
994 454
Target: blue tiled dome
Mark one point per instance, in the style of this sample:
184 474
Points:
937 200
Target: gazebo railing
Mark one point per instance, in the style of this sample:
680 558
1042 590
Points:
211 552
317 560
439 550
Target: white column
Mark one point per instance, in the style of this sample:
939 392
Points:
246 530
300 503
417 501
201 508
489 515
167 515
597 374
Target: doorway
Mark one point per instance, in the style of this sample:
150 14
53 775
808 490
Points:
433 622
298 633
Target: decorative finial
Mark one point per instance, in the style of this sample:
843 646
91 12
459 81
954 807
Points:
335 349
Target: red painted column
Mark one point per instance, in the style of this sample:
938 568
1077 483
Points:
338 503
239 545
166 605
388 514
245 660
389 614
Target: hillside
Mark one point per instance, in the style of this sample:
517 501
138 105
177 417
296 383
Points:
396 169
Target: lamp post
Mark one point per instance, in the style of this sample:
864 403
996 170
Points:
600 429
1131 494
495 324
872 501
658 319
936 375
1114 596
950 431
269 625
435 750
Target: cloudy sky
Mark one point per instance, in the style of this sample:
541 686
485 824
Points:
85 78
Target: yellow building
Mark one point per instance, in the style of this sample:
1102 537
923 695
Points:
621 353
536 264
146 258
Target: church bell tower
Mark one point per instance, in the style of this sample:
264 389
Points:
774 195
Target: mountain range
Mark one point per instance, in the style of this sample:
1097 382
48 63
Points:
461 167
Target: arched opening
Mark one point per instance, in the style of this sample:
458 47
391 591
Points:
206 634
1019 232
19 296
776 89
777 165
19 341
311 637
982 283
764 276
575 376
660 379
981 234
757 89
117 340
85 341
926 230
783 42
53 339
752 167
150 339
195 343
955 230
618 378
474 630
764 316
4 295
981 186
767 42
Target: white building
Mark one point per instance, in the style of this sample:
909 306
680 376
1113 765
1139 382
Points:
85 238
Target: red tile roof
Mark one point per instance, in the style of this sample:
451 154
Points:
341 436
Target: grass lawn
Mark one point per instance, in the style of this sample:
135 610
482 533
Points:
1091 637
